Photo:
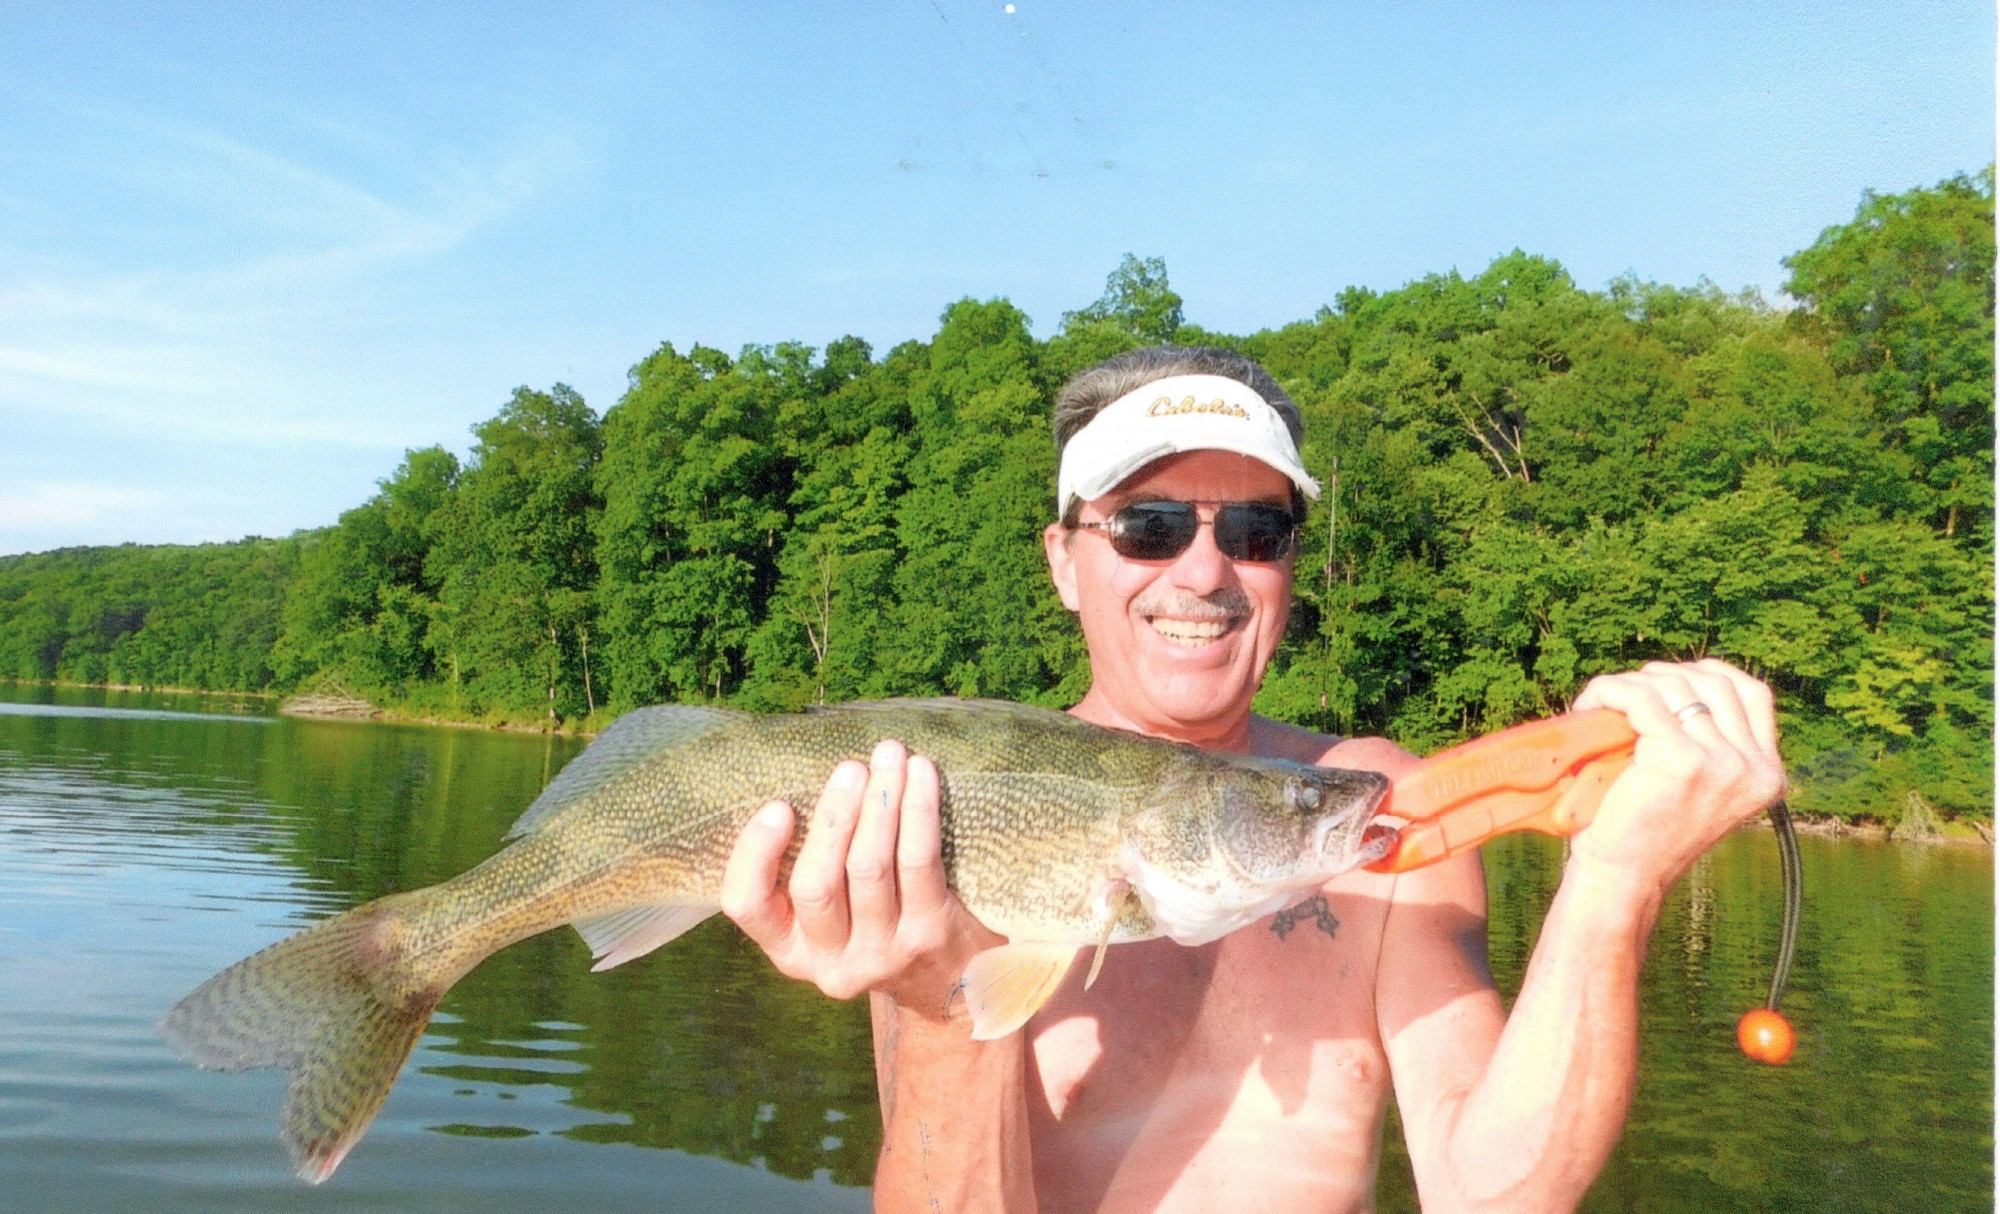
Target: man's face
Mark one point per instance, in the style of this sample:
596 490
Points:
1176 646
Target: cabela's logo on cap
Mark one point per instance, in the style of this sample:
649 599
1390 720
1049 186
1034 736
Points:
1167 406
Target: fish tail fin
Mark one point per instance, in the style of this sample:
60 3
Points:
335 1006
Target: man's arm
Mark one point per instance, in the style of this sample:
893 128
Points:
954 1114
866 909
1521 1113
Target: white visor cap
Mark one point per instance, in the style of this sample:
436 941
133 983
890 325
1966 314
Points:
1169 416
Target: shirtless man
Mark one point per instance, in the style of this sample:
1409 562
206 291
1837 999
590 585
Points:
1252 1073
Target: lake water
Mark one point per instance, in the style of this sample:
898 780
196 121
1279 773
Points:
147 841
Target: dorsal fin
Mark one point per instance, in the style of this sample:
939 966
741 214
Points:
948 704
946 707
630 741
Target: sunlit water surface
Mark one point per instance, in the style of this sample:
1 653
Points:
147 841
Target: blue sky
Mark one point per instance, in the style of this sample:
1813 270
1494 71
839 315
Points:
249 254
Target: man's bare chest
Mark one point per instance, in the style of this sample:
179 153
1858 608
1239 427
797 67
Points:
1181 1059
1302 977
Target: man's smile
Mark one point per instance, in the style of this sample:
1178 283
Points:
1193 634
1193 621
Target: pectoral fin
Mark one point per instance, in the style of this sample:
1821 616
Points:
1006 985
1114 902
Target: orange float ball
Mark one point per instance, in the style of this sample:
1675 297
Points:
1766 1036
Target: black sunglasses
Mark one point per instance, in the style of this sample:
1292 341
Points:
1161 531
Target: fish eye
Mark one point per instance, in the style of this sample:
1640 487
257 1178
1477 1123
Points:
1305 797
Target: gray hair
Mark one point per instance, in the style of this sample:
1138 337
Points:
1090 390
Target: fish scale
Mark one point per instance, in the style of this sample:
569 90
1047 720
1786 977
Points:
1055 833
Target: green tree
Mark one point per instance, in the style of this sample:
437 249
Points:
693 493
974 615
1137 300
1904 293
360 608
511 548
850 444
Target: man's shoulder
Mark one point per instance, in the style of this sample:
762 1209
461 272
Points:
1279 740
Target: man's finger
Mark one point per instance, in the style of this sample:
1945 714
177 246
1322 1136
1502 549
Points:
1706 711
750 893
1725 708
819 875
871 858
1639 697
919 841
1758 704
1675 689
1592 695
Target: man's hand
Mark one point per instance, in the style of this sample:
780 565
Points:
1695 774
866 908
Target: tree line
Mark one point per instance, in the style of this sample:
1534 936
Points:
1528 483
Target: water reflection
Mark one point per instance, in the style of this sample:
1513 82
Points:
138 853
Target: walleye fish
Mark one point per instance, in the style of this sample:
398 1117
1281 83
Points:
1057 834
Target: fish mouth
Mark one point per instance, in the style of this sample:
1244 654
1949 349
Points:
1345 845
1378 842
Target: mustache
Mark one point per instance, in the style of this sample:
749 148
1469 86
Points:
1224 603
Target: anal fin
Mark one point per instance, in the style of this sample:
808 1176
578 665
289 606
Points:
1006 985
623 935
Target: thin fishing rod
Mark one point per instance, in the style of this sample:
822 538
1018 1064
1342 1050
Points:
1788 935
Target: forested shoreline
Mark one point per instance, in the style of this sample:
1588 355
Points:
1528 483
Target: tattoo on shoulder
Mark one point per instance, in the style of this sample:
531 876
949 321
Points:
1314 908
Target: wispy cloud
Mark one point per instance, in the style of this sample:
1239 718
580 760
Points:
325 224
218 329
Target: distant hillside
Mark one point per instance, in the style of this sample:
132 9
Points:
203 616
